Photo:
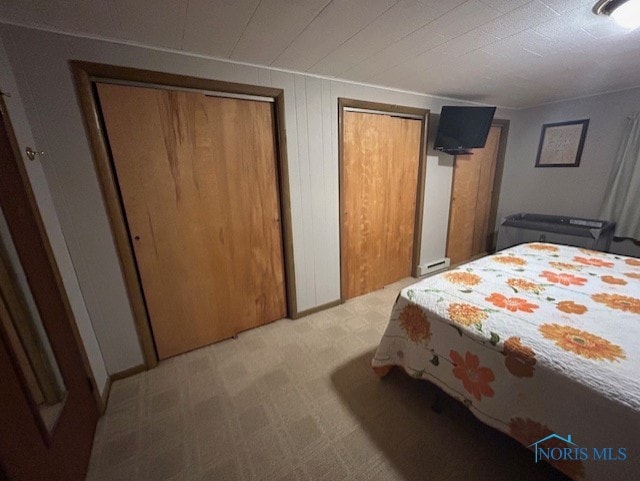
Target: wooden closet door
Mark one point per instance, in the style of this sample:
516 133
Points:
473 180
380 174
198 179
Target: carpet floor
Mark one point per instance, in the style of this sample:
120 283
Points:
297 400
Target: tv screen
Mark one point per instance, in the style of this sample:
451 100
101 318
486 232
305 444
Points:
463 128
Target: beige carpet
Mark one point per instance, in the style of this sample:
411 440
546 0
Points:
296 400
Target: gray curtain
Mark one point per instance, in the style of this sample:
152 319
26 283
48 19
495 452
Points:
622 197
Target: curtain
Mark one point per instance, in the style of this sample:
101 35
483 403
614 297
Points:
622 197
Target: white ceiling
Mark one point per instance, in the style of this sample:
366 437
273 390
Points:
514 53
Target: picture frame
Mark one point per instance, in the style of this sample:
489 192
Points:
561 143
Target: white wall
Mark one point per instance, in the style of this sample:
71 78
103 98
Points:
566 191
40 63
50 219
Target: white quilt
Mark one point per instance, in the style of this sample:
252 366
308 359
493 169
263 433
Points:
538 340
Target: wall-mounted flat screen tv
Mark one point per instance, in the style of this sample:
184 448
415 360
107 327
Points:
463 128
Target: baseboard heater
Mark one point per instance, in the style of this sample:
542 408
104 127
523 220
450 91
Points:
434 266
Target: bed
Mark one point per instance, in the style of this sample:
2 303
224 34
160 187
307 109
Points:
538 341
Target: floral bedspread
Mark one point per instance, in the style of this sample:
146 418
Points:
535 340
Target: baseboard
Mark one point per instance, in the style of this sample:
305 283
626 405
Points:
313 310
106 391
128 372
433 266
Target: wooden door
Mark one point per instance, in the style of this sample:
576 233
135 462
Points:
380 160
197 175
29 448
471 200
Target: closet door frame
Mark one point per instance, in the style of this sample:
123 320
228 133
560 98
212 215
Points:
423 116
86 75
497 183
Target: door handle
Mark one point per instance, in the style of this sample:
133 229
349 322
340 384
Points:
31 154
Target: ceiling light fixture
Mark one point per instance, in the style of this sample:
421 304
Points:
626 13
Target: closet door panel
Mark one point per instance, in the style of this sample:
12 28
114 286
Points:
380 173
473 183
197 176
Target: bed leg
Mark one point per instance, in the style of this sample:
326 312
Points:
382 371
437 404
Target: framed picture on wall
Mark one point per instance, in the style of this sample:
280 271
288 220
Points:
561 144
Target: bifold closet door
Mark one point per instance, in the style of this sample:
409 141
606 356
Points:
198 179
473 181
380 161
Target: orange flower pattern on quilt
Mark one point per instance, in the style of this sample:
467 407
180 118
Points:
565 266
519 359
512 260
527 431
512 304
542 247
563 278
618 301
592 262
571 307
476 379
466 314
633 262
582 343
590 252
633 275
525 285
415 323
463 278
613 280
